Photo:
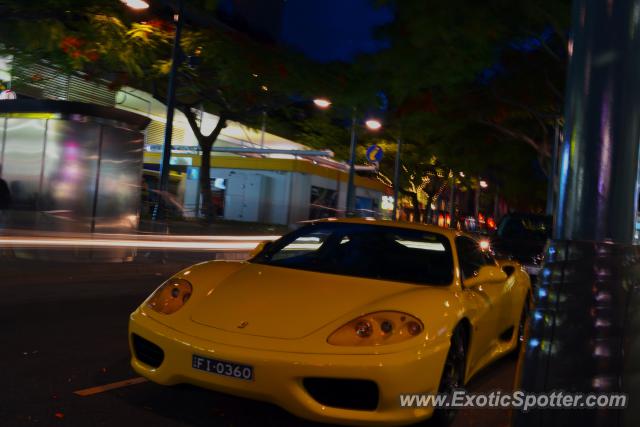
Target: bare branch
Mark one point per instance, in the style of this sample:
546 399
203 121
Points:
519 136
553 88
546 47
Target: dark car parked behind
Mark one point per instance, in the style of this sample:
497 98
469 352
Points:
522 237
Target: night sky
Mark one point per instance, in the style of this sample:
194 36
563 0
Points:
327 30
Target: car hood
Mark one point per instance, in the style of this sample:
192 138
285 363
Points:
285 303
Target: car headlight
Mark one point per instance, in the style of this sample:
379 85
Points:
170 296
380 328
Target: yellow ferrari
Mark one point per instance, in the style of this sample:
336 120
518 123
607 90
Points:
336 320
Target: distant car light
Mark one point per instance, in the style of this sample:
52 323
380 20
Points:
491 223
485 245
171 296
380 328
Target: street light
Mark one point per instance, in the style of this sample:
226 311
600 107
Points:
372 124
322 103
483 184
136 4
176 58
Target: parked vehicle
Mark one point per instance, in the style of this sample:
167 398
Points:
522 237
336 319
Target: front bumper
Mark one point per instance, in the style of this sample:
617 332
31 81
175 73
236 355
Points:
278 376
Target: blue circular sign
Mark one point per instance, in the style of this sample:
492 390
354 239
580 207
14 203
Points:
374 153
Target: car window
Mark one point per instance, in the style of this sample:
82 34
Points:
303 245
470 257
362 250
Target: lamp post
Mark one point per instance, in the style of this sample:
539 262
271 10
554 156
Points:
372 124
396 180
165 163
482 184
452 189
176 60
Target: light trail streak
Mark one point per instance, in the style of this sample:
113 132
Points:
59 242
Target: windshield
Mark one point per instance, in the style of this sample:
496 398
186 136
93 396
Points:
361 250
525 227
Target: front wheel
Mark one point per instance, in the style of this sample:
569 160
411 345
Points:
453 374
522 325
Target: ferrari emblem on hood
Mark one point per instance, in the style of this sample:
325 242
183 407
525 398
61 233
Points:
243 324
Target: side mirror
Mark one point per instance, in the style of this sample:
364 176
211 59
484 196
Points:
508 266
259 248
486 274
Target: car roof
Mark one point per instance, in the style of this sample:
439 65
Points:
450 233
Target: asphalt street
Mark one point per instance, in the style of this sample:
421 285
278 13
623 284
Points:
64 329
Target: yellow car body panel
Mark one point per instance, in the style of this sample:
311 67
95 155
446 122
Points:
289 314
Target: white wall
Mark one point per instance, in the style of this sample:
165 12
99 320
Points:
264 196
300 197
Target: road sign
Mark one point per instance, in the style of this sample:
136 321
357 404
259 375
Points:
374 153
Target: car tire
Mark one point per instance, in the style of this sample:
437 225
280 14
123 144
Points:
522 326
453 374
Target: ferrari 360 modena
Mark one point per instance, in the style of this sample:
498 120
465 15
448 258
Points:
334 321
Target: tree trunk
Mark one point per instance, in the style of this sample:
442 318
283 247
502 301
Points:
207 207
416 207
206 143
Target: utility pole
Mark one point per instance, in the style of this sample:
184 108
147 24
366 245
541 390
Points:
165 164
352 168
396 179
452 189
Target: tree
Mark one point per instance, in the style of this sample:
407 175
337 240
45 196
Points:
228 74
479 83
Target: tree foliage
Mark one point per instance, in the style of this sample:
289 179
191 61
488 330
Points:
224 72
479 85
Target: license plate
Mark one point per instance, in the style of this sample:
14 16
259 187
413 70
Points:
222 367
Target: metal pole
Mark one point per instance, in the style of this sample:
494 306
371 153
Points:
264 128
496 203
165 163
551 185
396 180
477 199
452 189
352 170
590 271
599 154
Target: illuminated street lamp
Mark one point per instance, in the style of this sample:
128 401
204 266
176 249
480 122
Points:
483 184
371 124
322 103
136 4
